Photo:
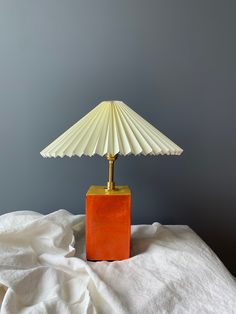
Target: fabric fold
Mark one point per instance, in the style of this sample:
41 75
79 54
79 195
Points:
171 270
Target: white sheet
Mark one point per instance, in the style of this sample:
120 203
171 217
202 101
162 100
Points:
172 270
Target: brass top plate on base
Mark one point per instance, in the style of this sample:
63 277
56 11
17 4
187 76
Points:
101 190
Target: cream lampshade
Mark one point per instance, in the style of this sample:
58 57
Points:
110 129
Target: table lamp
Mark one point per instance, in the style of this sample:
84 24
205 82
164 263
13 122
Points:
112 128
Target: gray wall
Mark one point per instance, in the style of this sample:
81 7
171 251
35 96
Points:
172 61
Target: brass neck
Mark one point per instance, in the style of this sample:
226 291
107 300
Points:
111 184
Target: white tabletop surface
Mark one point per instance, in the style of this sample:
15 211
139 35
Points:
171 270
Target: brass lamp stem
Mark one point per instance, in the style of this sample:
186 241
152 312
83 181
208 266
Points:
111 184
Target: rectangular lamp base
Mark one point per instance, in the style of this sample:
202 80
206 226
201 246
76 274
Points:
108 215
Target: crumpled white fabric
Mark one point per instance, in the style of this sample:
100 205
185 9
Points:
171 270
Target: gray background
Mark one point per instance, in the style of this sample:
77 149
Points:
172 61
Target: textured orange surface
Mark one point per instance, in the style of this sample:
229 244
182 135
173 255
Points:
108 226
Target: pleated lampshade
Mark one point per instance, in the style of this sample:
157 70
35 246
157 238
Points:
111 128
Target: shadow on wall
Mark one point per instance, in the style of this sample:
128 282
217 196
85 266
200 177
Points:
172 192
212 228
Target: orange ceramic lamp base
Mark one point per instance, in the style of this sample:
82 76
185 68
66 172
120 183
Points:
108 223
